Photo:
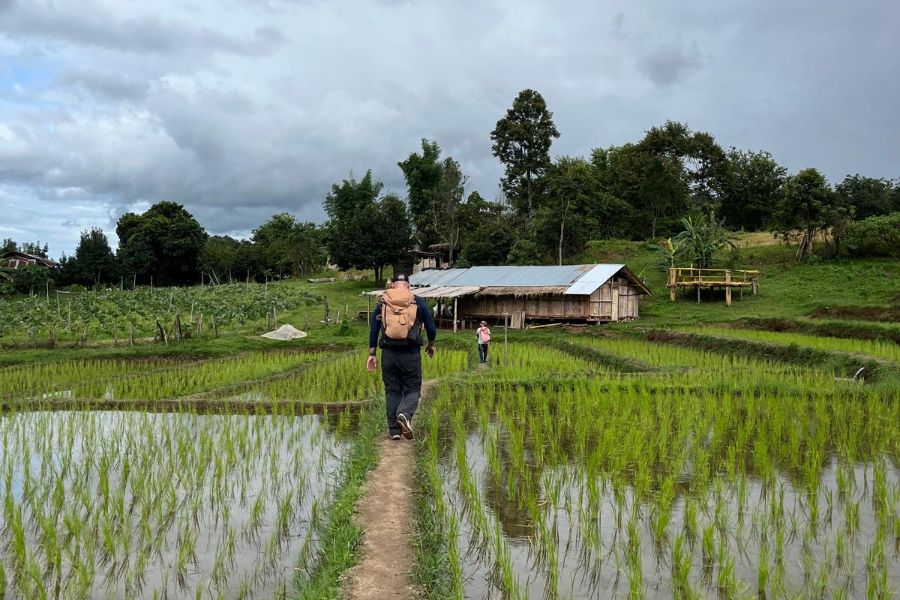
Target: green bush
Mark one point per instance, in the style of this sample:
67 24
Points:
875 236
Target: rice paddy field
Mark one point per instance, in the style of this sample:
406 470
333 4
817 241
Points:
162 505
705 476
572 465
883 350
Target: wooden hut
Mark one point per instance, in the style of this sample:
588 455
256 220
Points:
11 261
568 293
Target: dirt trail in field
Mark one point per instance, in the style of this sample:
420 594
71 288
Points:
386 513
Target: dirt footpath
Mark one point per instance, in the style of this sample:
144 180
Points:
386 514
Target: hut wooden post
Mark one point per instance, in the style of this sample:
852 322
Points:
506 339
728 287
672 284
455 315
699 281
614 294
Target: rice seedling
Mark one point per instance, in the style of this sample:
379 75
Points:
103 504
733 485
529 361
190 378
343 378
874 348
44 379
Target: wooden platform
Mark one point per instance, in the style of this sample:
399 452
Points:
693 278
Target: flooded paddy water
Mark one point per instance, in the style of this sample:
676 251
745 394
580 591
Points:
579 491
100 504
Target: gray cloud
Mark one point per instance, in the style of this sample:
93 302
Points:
112 86
108 106
88 24
669 63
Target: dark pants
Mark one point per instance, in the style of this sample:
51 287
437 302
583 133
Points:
482 352
402 375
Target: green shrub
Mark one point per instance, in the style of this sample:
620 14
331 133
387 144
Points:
875 236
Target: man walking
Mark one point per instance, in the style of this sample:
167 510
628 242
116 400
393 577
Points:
397 320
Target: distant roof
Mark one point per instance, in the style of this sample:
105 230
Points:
576 279
15 253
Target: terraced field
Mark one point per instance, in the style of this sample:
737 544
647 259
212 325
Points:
709 475
570 466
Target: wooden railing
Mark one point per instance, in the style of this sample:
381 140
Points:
692 277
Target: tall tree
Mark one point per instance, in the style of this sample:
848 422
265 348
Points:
348 205
522 140
486 232
163 243
447 206
94 261
363 232
390 234
286 245
805 208
566 210
33 248
868 197
219 258
699 157
422 173
752 187
654 186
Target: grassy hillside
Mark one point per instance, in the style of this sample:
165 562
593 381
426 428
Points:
787 288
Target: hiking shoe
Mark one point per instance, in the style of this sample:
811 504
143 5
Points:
404 424
394 436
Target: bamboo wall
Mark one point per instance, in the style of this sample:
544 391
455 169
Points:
594 308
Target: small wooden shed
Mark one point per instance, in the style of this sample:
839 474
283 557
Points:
591 293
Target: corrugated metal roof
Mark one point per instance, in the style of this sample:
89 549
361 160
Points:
434 277
563 275
447 291
593 279
441 291
576 279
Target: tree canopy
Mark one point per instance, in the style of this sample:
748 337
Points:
364 232
94 262
423 174
522 140
164 244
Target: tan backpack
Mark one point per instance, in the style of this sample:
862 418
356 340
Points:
398 315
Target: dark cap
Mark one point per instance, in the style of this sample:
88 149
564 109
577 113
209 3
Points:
400 277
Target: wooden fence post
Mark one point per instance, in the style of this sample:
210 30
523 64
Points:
699 280
728 287
672 278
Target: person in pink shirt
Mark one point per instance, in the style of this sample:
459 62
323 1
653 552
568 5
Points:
483 334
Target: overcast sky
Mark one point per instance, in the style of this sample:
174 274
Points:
243 108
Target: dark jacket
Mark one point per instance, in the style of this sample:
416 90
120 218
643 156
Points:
423 316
